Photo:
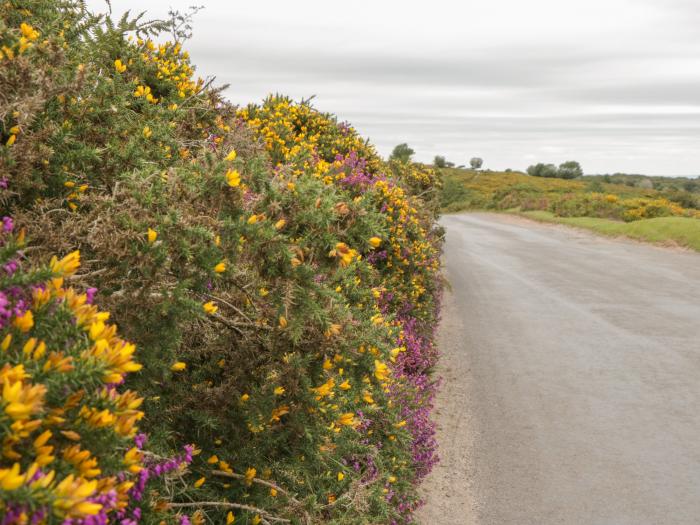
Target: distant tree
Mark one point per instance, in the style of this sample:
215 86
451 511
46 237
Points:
607 178
570 170
402 153
476 163
439 161
509 170
543 170
449 164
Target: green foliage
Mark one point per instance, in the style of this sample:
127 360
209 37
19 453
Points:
439 161
569 170
543 170
402 153
476 163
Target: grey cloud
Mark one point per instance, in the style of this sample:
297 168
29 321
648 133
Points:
617 86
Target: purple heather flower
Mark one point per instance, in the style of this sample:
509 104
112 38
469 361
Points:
90 293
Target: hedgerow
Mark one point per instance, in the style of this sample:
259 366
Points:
279 280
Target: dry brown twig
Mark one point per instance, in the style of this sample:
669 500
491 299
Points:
265 483
264 515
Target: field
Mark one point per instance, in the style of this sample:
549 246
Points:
668 216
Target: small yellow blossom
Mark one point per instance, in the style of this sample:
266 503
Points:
280 224
11 140
279 391
220 268
381 371
273 492
119 66
282 322
147 132
245 397
233 178
347 419
375 242
231 155
199 482
152 236
210 307
28 31
230 518
179 366
24 322
250 475
341 476
213 459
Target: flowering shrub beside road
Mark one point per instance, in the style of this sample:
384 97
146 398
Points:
277 281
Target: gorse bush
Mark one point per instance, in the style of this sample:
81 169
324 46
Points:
70 448
277 277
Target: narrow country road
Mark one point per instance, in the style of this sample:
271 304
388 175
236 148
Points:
571 391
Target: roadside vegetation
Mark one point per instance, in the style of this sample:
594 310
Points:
272 288
623 206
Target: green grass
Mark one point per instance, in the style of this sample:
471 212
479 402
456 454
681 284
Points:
682 231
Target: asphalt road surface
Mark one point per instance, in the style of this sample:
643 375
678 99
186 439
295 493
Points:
571 390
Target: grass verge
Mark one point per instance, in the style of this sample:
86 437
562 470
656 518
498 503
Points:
681 231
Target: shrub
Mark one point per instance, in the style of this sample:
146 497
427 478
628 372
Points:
278 277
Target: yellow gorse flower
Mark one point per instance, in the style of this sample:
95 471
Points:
347 419
381 371
24 322
250 476
178 366
210 307
66 266
152 236
233 178
231 155
118 66
28 31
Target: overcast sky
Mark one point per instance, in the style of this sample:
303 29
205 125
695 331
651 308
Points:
614 84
